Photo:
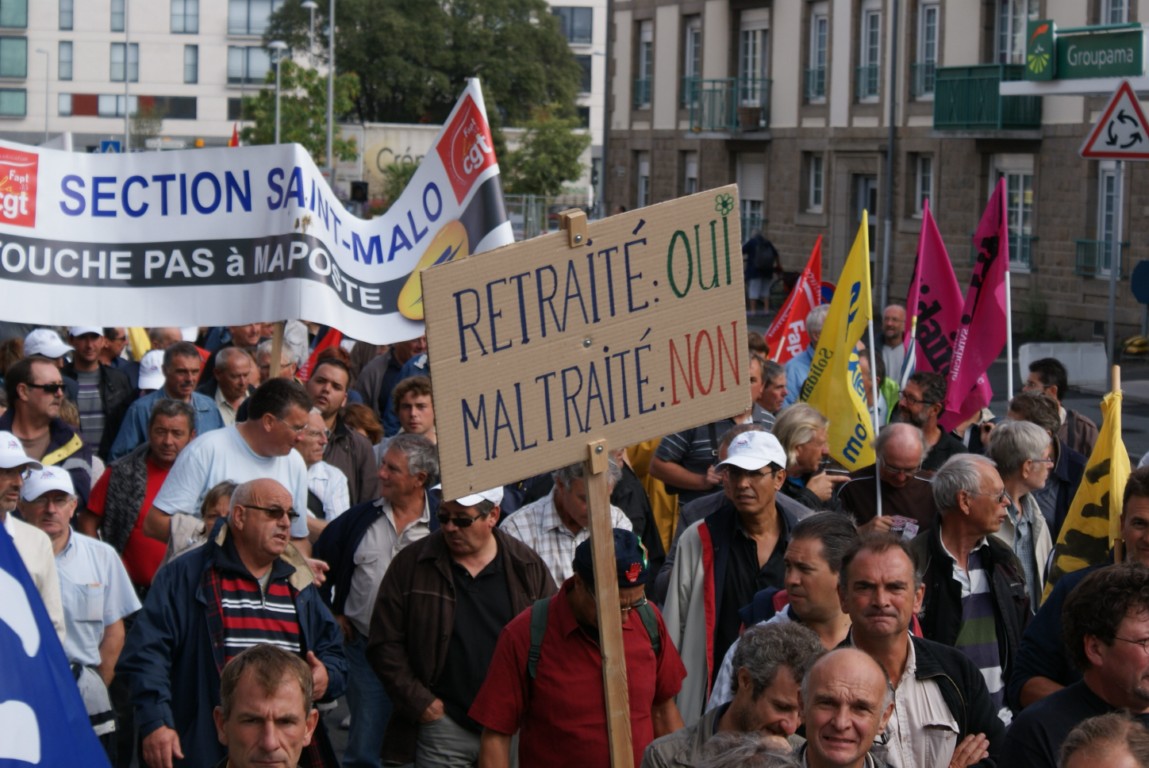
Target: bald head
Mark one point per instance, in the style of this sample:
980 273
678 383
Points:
846 702
900 448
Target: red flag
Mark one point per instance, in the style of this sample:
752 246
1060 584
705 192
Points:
787 336
935 306
328 337
981 333
234 140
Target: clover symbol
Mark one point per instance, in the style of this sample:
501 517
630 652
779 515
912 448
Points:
724 204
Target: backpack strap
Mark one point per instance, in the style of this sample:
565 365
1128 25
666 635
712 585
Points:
539 611
650 621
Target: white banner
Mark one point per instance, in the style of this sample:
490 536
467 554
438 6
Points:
237 235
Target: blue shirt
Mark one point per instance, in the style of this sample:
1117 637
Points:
134 430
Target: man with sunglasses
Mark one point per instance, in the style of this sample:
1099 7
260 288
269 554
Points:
35 390
208 605
443 602
921 404
976 598
906 497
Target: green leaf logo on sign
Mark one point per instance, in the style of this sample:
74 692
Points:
1039 62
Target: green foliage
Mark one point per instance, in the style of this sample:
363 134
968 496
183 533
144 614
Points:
147 123
396 177
413 57
547 158
302 110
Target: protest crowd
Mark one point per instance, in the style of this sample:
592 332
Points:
227 546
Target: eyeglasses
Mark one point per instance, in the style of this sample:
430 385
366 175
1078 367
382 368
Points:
623 609
317 433
915 401
116 338
459 522
292 427
900 470
51 389
275 513
1001 497
736 473
1143 642
1042 460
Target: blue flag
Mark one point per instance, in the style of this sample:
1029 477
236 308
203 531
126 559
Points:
42 717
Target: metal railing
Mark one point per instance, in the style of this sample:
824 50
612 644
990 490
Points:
729 104
1094 258
867 83
642 88
967 98
922 79
815 84
1020 251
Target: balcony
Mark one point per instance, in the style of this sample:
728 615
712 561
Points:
866 84
816 85
1020 251
642 93
728 105
922 80
1095 256
967 99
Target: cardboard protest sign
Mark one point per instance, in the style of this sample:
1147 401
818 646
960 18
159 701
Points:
540 347
236 235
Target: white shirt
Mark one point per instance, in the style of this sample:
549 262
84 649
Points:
35 550
922 731
329 484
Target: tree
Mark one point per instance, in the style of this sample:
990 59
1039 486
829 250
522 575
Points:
396 177
414 56
147 123
302 111
547 158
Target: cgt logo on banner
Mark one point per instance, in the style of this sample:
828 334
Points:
18 187
466 148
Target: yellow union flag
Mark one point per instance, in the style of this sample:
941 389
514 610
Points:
1093 522
834 385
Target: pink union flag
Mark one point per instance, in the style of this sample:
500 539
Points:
981 333
787 335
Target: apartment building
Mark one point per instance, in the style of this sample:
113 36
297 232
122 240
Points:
820 109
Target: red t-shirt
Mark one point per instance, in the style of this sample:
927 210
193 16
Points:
142 554
561 715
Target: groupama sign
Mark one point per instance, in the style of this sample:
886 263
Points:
1085 52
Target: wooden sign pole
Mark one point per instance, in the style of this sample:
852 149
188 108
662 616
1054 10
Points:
276 349
617 701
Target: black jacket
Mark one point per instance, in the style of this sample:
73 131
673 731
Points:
117 392
941 610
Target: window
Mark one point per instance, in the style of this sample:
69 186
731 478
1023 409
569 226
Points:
13 102
1114 11
927 57
250 17
185 16
923 182
816 62
235 109
64 105
689 173
1017 170
112 105
752 62
175 107
118 15
815 182
67 13
691 60
14 57
1108 201
64 60
642 189
584 62
118 63
247 65
645 65
576 24
1012 18
14 15
583 116
750 173
869 55
191 63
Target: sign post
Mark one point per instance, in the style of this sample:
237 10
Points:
548 351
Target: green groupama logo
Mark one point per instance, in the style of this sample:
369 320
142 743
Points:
1039 51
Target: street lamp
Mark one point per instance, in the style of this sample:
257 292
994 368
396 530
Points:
278 46
310 6
330 93
47 75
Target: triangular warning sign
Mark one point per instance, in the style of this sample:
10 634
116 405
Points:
1122 133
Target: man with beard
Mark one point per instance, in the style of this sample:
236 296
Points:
921 404
347 450
893 347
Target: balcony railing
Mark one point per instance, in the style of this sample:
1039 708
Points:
968 98
816 84
922 79
867 82
1020 251
729 104
642 93
1095 256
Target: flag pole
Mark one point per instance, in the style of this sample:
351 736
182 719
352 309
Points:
1118 542
1008 336
874 414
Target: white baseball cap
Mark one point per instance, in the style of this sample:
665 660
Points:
46 342
12 453
493 495
151 370
79 330
754 450
47 479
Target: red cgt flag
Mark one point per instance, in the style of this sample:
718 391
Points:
787 335
234 140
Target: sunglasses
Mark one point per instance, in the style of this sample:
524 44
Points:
458 522
51 389
275 513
